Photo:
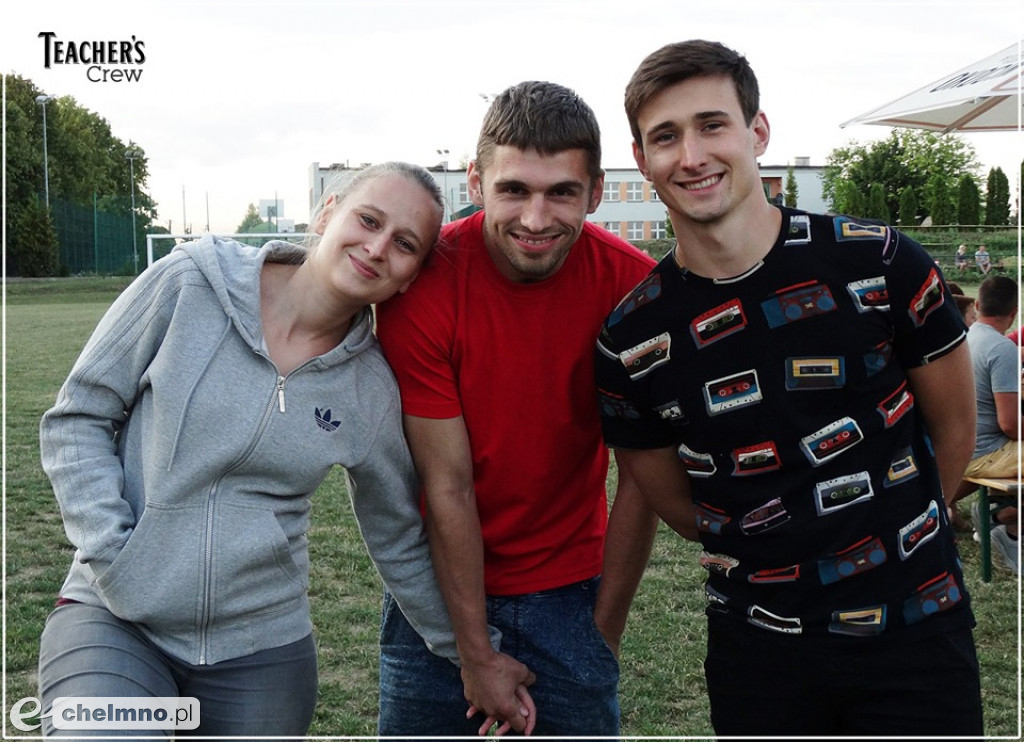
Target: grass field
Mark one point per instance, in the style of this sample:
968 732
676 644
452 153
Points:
662 690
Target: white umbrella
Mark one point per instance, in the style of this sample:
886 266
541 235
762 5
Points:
984 96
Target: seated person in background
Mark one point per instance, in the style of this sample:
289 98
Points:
960 259
982 259
967 308
997 370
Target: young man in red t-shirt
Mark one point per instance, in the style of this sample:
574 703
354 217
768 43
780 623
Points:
492 347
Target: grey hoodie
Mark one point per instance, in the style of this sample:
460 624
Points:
184 463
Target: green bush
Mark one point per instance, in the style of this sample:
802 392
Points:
34 243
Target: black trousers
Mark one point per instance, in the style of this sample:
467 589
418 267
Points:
766 685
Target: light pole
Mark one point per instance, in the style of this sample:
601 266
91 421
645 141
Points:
43 100
130 154
444 154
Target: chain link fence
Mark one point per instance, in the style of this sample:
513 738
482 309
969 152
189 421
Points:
94 241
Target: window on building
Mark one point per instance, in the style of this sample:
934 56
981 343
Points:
635 190
634 230
658 230
463 193
612 227
611 192
654 195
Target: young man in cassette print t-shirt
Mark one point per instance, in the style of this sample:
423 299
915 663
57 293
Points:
792 392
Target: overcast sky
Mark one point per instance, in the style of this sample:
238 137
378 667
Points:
236 99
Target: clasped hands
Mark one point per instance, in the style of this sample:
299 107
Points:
498 688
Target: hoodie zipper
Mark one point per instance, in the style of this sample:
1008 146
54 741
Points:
280 393
208 555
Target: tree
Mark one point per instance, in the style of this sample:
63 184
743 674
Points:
85 161
791 190
251 219
670 232
35 241
849 200
940 203
968 202
907 158
908 208
997 198
876 208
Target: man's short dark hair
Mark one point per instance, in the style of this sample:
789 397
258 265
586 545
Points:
998 297
683 60
541 116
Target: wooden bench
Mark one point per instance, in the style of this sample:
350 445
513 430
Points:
996 266
987 489
948 265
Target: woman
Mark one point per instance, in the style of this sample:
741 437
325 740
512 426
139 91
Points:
210 403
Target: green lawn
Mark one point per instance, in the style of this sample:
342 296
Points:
662 692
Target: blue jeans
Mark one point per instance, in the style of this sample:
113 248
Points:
86 651
760 684
552 632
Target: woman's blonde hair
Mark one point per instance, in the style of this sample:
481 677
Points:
343 185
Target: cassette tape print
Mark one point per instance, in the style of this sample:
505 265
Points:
920 530
643 358
799 231
770 515
805 374
720 564
903 468
758 616
859 622
697 464
779 574
869 294
841 492
756 459
730 392
927 299
831 440
896 405
847 229
718 323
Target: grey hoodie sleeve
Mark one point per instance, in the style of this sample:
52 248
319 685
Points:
77 435
384 490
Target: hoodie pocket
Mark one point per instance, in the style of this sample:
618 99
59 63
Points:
181 569
254 572
156 578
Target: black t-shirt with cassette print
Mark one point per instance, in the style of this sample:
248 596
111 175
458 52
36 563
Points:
785 392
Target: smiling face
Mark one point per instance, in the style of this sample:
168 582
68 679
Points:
374 241
698 150
534 208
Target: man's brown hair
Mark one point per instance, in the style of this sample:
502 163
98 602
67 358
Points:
674 63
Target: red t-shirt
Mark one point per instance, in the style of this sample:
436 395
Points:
516 361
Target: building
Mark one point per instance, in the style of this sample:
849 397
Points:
630 207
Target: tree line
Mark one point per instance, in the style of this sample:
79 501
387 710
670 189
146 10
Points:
902 179
913 175
84 164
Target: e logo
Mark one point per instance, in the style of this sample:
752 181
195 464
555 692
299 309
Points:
18 716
